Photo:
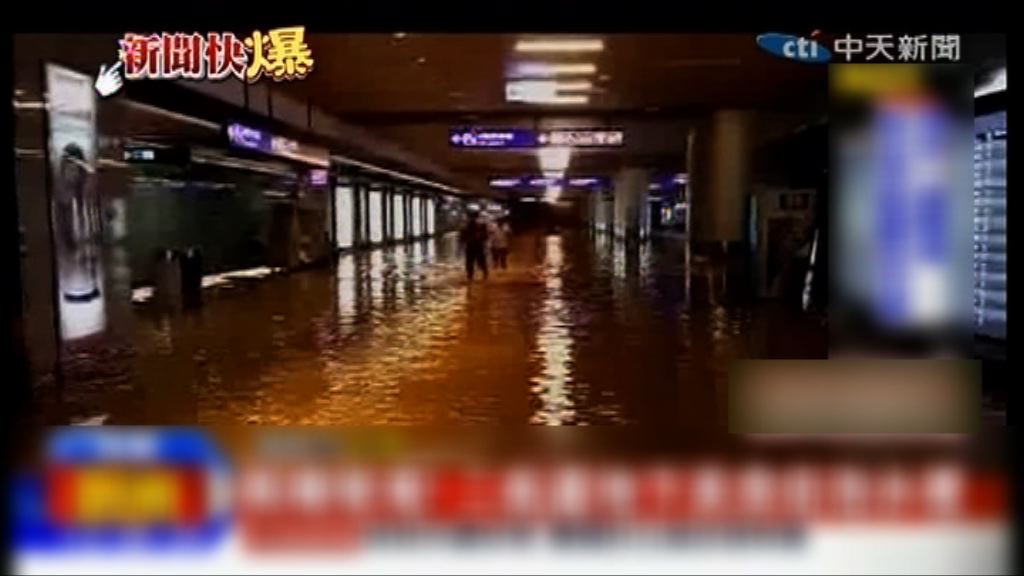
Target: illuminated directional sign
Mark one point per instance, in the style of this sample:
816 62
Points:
493 138
242 136
542 182
581 138
146 154
510 138
505 182
139 154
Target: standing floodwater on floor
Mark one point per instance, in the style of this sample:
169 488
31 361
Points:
580 330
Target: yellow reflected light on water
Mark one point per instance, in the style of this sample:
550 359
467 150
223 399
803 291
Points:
554 345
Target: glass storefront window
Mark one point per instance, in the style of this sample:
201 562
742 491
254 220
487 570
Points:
398 221
364 215
376 205
416 216
431 208
344 216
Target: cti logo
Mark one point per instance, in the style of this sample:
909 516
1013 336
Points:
793 47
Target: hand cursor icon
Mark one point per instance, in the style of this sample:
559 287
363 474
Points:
109 80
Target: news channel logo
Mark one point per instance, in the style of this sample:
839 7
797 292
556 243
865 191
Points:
793 47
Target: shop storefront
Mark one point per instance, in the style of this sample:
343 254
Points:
378 209
259 201
111 192
372 211
344 209
398 211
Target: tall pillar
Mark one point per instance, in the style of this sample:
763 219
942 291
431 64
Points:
592 205
631 212
719 177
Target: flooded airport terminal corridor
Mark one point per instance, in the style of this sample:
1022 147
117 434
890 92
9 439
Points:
579 330
291 299
196 254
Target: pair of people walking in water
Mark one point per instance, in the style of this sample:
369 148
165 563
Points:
476 236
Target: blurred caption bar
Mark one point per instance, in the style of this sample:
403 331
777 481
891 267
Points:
854 397
901 147
393 501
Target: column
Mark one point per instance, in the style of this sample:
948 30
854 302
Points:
719 175
591 217
631 213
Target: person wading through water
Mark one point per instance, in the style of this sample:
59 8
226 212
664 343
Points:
474 240
499 232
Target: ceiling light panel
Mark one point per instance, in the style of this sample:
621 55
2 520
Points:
554 159
560 45
550 69
540 91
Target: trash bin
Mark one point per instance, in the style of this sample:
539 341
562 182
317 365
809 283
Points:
168 279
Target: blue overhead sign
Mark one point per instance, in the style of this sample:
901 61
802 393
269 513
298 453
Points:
511 138
543 182
250 138
493 138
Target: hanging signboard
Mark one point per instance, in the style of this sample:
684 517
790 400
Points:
513 138
581 138
542 181
250 138
501 138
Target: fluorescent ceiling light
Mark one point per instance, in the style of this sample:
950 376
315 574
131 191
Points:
545 91
681 179
563 99
572 85
530 90
547 87
172 115
554 159
563 45
582 181
353 162
505 182
547 69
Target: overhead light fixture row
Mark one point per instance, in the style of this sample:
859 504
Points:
560 45
547 91
552 193
564 99
554 159
549 69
